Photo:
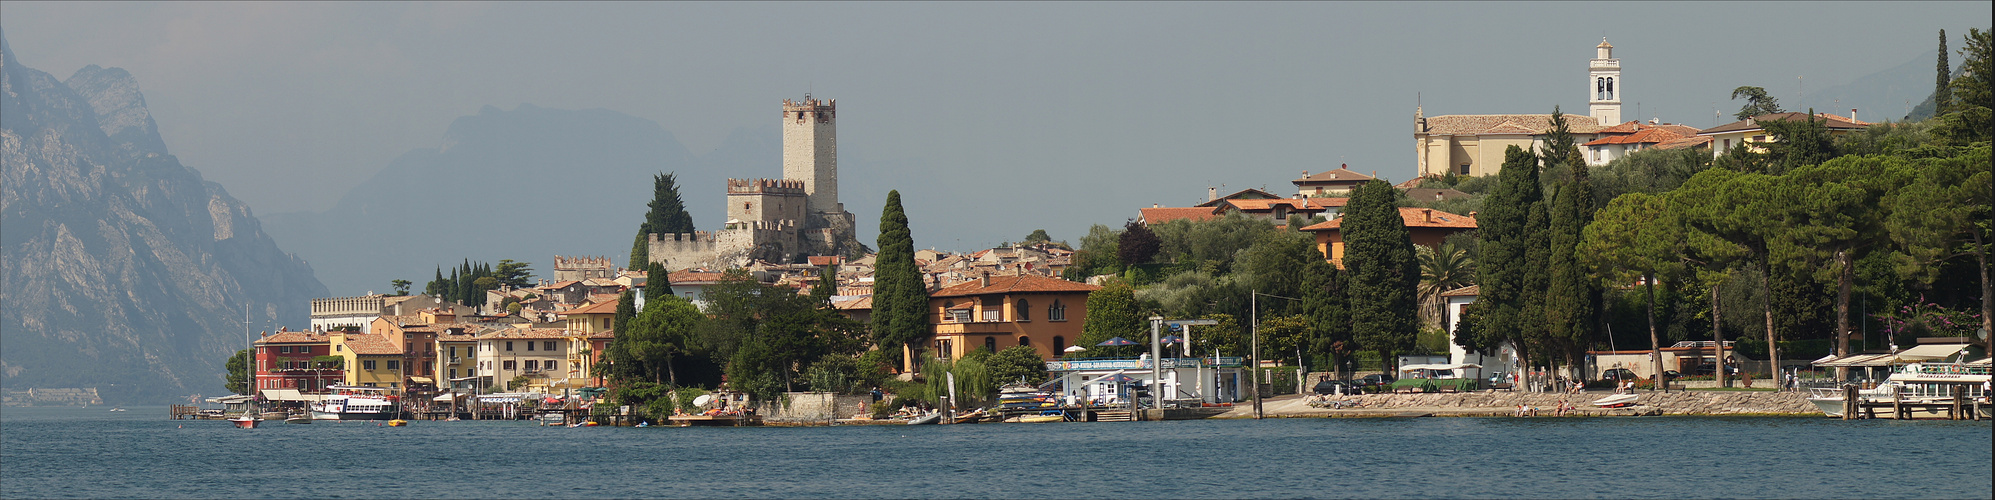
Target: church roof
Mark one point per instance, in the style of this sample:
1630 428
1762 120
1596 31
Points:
1486 124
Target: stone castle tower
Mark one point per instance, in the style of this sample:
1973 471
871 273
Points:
1604 73
777 220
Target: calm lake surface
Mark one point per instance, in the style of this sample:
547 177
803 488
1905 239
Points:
72 452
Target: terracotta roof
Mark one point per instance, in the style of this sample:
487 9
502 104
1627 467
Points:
1510 128
1244 194
370 344
1682 130
1338 175
1646 136
824 260
1831 121
1317 203
1483 124
596 308
1414 217
290 337
1014 284
557 285
1685 142
524 333
863 303
1167 214
1467 291
1623 128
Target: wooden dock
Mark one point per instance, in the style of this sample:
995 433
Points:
1959 408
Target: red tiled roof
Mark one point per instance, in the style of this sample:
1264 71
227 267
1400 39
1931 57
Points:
1831 121
525 333
1167 214
1646 136
557 286
1338 175
290 337
370 344
825 260
1014 284
1685 142
1414 217
1623 128
596 308
859 304
1467 291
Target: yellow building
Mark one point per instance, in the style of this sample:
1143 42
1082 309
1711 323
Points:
590 329
371 360
1474 144
1750 133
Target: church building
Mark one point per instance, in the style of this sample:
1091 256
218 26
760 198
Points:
1474 144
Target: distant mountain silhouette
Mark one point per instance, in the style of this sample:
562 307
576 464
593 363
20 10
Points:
123 269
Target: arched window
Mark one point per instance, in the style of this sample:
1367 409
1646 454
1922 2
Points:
1024 340
1057 311
1059 345
1021 310
990 343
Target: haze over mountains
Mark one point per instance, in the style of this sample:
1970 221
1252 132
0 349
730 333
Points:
124 270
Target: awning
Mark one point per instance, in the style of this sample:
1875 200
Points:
237 398
445 398
1929 352
1858 360
421 380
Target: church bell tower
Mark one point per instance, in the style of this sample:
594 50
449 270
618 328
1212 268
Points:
1604 85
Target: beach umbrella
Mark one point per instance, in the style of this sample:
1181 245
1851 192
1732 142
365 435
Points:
1116 378
1117 341
1075 348
1172 339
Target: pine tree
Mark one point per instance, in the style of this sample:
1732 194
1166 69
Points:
667 215
1380 271
900 298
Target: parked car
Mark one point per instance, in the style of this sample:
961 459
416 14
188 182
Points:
1499 380
1329 386
1618 374
1377 380
1713 370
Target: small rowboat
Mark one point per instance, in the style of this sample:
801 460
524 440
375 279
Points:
1040 418
1616 401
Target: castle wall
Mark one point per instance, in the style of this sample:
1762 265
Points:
582 268
765 200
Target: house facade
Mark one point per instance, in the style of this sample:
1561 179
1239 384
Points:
284 361
539 354
371 360
998 312
1427 227
1751 134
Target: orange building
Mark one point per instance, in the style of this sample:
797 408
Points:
1427 227
998 312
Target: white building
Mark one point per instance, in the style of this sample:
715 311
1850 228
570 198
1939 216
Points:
1504 360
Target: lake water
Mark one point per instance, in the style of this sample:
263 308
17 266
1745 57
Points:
71 452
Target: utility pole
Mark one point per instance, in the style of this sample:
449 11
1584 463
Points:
1254 353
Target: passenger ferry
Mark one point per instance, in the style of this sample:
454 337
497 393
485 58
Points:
1918 383
352 402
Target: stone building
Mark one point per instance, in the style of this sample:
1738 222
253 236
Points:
582 268
777 220
1474 144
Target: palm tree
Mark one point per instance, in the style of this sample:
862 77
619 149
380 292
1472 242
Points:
1442 268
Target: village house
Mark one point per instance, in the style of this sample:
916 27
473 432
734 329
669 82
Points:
998 312
1474 144
334 312
1750 133
1628 138
1427 227
539 354
370 359
1337 182
284 361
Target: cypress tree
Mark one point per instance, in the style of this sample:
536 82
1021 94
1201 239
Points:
1327 308
1942 84
657 283
900 298
667 215
1380 271
1503 260
1569 302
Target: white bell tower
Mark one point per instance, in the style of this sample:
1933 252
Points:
1604 86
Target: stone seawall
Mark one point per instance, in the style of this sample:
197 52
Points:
1507 403
1674 403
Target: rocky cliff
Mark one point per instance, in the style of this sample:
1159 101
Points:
123 269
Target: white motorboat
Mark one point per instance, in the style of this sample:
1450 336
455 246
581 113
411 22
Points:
349 402
1616 401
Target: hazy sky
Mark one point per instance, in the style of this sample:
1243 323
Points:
1031 115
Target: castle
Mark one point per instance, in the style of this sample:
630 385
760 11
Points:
777 220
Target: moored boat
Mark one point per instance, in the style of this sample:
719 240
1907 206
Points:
245 421
1616 401
298 418
348 402
1924 388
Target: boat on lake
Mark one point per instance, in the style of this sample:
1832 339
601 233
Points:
351 402
298 418
1926 386
931 418
245 421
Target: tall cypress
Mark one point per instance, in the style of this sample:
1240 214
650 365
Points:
657 283
1503 263
1379 270
1326 305
900 298
667 215
1569 302
1942 84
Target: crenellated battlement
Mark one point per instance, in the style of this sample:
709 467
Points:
781 187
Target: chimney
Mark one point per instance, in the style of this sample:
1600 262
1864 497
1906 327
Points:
1345 166
1211 193
1852 114
985 280
1427 213
1471 214
1156 205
